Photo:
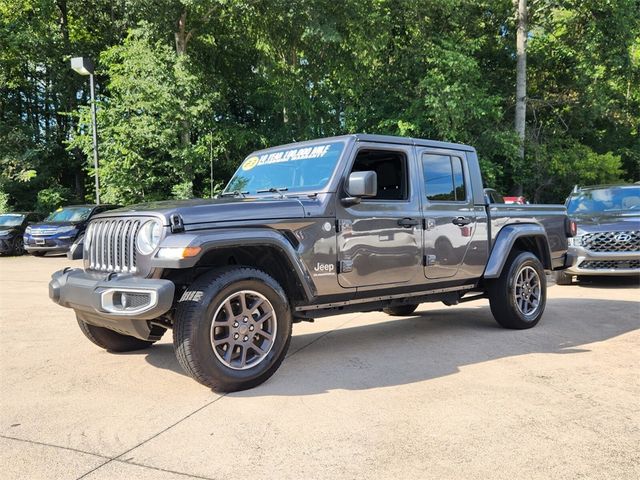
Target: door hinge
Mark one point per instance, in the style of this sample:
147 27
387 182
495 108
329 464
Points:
343 225
345 266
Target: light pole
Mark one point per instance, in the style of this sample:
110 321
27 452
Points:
84 66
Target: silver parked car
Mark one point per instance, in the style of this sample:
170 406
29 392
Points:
608 237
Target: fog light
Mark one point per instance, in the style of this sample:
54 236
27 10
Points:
128 302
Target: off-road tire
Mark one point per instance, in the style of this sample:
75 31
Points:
563 278
501 292
400 310
110 340
194 316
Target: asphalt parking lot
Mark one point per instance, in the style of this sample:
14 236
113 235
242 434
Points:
443 393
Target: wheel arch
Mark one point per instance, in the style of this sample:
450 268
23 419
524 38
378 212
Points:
528 237
265 249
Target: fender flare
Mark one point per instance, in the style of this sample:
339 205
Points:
505 240
208 240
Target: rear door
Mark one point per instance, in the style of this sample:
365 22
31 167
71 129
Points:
448 210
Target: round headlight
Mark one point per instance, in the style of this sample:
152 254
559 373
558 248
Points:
148 237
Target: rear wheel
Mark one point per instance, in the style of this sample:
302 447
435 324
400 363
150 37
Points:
518 297
110 340
400 310
563 278
232 328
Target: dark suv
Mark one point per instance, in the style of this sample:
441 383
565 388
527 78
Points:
608 237
60 229
12 227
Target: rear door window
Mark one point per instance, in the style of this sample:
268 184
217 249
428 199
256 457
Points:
443 178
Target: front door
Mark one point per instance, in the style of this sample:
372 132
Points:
450 219
379 240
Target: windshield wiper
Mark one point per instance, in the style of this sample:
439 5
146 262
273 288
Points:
273 190
235 193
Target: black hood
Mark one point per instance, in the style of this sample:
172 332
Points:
608 222
217 209
45 224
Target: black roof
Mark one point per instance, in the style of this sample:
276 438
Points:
422 142
366 137
91 205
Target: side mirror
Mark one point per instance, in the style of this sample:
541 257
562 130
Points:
362 184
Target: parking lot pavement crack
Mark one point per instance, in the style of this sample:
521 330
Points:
44 444
158 469
118 458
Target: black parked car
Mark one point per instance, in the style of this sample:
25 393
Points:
608 236
60 229
12 227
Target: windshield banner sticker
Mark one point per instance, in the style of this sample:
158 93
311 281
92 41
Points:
305 153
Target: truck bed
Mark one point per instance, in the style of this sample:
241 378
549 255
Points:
551 217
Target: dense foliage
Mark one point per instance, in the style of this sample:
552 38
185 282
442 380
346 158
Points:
183 85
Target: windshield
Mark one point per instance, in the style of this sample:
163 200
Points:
11 220
70 214
601 200
291 169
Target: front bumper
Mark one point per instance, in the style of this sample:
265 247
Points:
58 243
92 296
586 262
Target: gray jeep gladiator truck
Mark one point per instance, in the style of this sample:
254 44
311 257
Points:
354 223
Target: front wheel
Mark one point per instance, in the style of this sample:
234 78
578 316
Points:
232 328
18 246
518 297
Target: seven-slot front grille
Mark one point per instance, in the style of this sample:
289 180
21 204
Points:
612 241
112 244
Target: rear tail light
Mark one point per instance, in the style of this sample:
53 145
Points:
571 227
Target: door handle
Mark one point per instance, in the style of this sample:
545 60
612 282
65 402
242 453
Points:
461 221
408 222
